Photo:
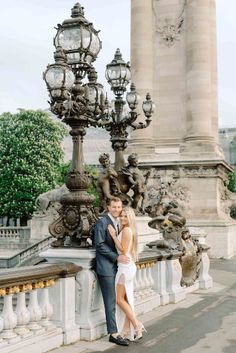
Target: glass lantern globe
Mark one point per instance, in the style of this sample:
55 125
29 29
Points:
94 92
95 95
148 106
78 38
58 76
132 97
118 74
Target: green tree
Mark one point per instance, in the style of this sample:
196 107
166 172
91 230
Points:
231 181
93 174
30 156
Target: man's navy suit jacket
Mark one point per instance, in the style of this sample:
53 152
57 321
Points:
106 253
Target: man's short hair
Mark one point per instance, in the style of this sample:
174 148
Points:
113 199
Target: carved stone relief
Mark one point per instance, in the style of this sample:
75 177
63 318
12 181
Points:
166 188
198 172
169 28
226 199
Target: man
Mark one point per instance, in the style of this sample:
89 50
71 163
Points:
106 266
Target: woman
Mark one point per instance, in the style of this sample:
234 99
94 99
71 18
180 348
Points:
126 243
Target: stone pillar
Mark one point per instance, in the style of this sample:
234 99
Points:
142 69
205 280
214 94
182 72
159 276
64 303
173 278
201 121
169 77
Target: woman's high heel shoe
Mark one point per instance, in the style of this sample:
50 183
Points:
126 334
139 331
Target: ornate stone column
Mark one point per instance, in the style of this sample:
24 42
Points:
214 95
201 114
169 77
142 64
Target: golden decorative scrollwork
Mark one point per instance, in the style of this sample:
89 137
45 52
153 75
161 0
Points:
29 286
147 264
49 283
3 292
12 290
37 285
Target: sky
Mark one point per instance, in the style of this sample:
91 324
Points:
26 46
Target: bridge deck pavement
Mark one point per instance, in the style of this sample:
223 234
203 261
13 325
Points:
203 323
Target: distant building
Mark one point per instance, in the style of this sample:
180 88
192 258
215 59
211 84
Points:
96 141
227 139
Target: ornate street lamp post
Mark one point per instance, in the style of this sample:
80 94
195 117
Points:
81 105
77 104
116 121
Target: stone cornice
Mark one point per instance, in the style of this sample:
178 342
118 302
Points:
176 164
34 274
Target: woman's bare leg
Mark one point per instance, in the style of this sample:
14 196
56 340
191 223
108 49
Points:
127 321
124 305
126 326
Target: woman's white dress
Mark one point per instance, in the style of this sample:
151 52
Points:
125 275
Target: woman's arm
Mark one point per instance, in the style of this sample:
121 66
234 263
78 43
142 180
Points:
100 245
123 246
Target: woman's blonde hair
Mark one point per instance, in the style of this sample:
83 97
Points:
132 224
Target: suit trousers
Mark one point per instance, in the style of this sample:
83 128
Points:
107 285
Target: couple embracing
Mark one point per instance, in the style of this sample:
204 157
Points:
115 241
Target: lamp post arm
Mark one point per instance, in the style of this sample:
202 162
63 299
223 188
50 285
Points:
130 118
92 122
140 125
104 124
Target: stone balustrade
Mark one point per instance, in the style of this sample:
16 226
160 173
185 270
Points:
14 237
34 312
26 256
146 298
157 282
34 249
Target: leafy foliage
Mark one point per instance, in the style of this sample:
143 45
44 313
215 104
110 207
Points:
231 181
91 170
30 156
62 172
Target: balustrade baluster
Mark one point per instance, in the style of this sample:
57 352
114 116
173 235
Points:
9 318
138 282
135 286
22 313
143 283
35 311
2 342
135 282
146 285
46 307
149 277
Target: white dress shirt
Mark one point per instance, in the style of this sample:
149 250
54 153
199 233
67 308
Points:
115 222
